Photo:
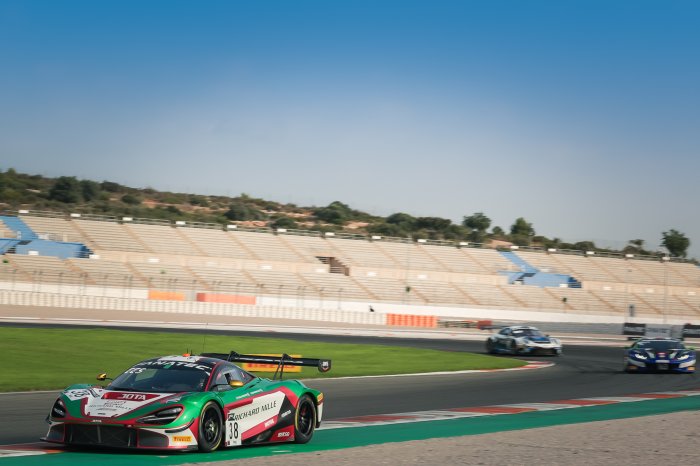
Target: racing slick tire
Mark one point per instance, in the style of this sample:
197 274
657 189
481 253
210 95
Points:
305 420
513 347
490 347
211 428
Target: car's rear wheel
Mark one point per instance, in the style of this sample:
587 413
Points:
210 428
304 420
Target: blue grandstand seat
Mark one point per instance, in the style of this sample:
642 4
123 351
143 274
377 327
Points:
17 225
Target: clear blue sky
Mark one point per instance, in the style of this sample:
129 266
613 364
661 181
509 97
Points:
583 117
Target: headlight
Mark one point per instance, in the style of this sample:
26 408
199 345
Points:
59 409
641 356
684 357
164 416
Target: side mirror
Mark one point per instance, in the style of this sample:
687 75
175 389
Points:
236 383
102 377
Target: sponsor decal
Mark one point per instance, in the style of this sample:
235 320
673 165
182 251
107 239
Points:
252 417
182 438
283 434
167 364
286 413
658 331
257 367
691 331
632 329
254 411
129 396
114 404
80 393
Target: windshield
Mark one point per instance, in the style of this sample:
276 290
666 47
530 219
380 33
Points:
163 376
660 345
529 332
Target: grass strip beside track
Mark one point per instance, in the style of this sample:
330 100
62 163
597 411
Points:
335 439
44 359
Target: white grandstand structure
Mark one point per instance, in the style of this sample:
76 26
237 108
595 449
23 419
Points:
202 262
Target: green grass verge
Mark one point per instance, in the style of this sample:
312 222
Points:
42 359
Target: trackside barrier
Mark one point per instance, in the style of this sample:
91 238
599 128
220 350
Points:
408 320
225 298
22 298
166 295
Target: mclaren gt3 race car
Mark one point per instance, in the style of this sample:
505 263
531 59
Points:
522 340
659 355
189 403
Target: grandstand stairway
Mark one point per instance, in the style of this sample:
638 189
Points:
529 275
21 229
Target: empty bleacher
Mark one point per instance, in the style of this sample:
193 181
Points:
163 239
267 247
207 258
55 229
109 235
216 243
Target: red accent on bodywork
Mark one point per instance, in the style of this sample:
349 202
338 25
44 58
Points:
259 428
285 434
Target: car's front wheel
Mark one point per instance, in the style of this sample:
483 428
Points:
490 347
304 420
514 347
210 428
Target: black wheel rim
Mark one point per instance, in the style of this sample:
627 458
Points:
305 418
210 427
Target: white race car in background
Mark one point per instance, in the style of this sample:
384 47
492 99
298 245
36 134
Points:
522 340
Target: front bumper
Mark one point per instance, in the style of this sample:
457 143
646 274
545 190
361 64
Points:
536 349
684 367
121 436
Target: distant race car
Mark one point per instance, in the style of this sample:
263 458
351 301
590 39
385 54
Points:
189 403
659 355
522 340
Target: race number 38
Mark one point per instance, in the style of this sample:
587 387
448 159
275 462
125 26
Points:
233 433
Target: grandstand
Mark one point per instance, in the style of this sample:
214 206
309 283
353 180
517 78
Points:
303 266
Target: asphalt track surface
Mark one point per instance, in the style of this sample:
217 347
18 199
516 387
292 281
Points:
583 371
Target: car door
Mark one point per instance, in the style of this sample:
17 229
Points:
503 338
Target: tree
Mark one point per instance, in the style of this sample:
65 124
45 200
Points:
584 246
131 199
498 233
239 211
522 227
336 212
433 223
284 222
521 232
635 246
90 190
66 189
478 223
676 243
403 221
387 229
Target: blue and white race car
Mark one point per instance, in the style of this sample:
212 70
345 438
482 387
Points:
659 355
523 340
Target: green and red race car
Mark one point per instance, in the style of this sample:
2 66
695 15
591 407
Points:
190 403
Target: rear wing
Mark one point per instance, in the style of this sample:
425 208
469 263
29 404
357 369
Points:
323 365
